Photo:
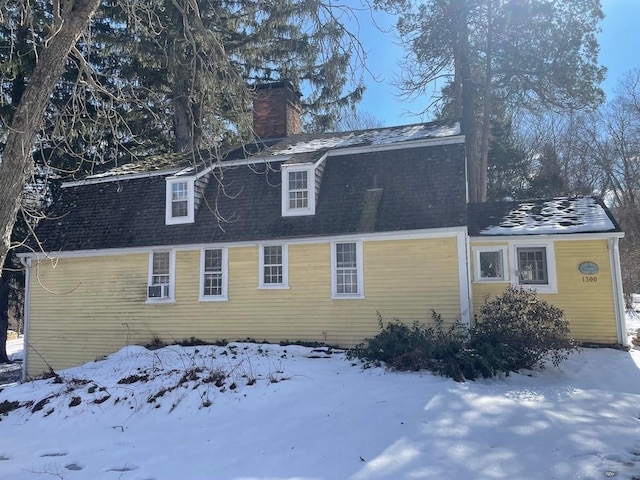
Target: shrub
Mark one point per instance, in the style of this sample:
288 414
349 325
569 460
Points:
414 347
515 330
518 330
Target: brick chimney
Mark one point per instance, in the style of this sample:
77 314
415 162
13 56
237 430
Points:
276 110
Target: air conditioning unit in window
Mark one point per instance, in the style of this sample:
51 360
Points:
158 291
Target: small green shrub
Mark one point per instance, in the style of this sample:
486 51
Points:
515 330
6 406
519 330
414 347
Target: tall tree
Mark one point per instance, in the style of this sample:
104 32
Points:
151 70
521 54
615 143
70 19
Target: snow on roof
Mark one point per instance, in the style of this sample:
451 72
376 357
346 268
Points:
155 163
559 215
382 136
187 163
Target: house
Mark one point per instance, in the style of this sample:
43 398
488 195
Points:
302 237
564 248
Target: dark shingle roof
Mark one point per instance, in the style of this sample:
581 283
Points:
540 217
304 147
422 187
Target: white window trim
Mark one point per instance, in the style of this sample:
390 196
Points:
360 272
169 219
285 267
172 276
477 277
552 285
311 185
225 277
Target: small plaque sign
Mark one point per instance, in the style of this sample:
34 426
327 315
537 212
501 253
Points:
588 268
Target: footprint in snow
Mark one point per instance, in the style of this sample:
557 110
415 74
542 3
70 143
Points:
54 454
125 468
74 466
4 457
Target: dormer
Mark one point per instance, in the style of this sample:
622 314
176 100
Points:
298 189
180 207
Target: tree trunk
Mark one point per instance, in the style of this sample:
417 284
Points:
468 103
16 161
486 115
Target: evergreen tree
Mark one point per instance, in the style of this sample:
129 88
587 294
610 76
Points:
523 55
85 82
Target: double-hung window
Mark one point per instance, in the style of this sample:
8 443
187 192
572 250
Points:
298 190
347 272
273 266
179 201
161 275
213 278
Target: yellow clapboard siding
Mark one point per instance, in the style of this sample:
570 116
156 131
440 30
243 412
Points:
85 308
589 306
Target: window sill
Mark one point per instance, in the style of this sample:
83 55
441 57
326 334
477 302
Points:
544 289
488 280
347 297
298 213
179 220
213 299
159 301
274 287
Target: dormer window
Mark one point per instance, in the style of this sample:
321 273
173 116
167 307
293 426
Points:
298 190
179 201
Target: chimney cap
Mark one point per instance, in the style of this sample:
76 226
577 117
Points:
278 84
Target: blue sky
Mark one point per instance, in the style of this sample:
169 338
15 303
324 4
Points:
619 52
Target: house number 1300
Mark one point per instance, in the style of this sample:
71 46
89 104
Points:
589 279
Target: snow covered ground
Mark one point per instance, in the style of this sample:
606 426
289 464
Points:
258 412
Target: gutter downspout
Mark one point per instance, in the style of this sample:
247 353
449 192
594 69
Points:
26 261
618 295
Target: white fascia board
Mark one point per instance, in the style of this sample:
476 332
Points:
175 172
243 161
448 232
26 315
618 293
537 238
117 178
320 160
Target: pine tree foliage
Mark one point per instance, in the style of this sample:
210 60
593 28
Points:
530 55
157 75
